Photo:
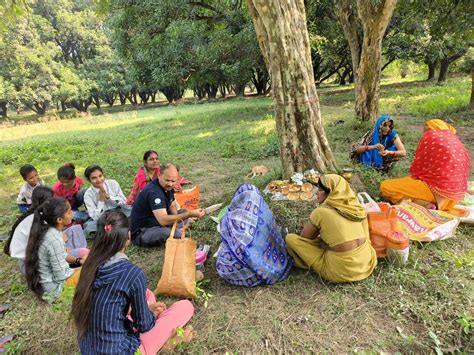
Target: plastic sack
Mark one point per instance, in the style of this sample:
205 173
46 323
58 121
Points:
381 224
424 225
367 202
178 277
188 199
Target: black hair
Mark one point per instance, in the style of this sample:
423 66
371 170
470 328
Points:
111 237
45 217
326 189
39 195
90 169
67 171
26 169
148 153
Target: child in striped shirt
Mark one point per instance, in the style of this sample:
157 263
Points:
113 310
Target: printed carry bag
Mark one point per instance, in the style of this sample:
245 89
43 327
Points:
424 225
252 251
178 277
188 199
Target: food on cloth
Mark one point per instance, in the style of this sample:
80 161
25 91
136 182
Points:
313 178
295 188
306 195
293 196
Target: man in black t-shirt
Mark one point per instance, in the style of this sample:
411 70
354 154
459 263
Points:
155 210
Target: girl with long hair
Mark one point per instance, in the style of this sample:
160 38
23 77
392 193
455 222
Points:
112 309
16 244
45 261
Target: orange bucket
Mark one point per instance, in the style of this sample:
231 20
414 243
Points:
397 240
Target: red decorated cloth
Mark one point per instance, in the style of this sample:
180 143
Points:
141 180
443 163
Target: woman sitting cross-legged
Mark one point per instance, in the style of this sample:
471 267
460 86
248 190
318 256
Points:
335 243
113 310
103 195
46 268
379 148
439 172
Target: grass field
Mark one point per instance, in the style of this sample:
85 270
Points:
423 307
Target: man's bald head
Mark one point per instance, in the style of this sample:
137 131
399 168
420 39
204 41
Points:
168 176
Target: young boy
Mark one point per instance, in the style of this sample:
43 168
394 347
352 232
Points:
32 179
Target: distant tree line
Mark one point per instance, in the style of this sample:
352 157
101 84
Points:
65 54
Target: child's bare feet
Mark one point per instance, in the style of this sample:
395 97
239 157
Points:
187 335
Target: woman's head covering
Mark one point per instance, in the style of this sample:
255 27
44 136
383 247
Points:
372 157
442 162
342 198
438 125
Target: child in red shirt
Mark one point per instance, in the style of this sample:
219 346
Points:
69 187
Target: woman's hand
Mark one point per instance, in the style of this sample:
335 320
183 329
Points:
377 146
157 308
386 152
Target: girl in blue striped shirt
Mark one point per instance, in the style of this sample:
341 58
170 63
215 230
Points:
113 310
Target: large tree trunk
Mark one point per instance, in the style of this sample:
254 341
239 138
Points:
366 60
283 38
348 21
375 17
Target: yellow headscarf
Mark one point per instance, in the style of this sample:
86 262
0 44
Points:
342 198
439 125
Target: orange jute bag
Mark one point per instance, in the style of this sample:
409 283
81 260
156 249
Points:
381 224
178 277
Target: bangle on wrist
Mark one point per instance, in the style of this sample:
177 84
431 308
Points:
366 148
78 261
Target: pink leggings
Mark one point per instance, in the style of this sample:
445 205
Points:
176 316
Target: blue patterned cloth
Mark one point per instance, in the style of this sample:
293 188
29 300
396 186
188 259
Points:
252 251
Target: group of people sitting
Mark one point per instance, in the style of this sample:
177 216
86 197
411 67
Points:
335 242
112 308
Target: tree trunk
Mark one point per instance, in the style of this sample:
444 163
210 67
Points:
3 108
375 18
63 106
40 107
96 101
283 38
123 98
471 105
431 69
81 105
366 60
222 90
348 20
239 89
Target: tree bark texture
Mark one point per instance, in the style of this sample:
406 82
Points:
283 38
375 17
347 17
431 69
472 85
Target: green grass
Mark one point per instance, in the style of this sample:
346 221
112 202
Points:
420 308
415 98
